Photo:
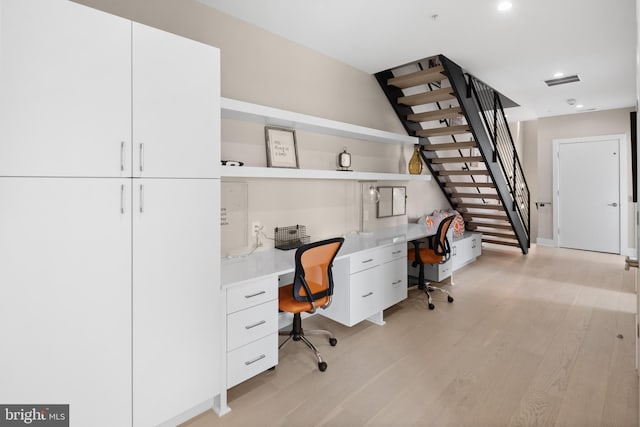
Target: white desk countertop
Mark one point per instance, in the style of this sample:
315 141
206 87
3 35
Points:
276 262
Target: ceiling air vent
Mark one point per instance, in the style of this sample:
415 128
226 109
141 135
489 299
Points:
562 80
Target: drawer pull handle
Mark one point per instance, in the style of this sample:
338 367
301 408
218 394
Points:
396 252
262 322
367 260
397 282
251 362
255 295
367 295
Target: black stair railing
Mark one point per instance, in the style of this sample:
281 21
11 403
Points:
504 149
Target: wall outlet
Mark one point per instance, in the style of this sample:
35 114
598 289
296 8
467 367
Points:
256 227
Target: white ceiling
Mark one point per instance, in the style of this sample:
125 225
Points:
512 51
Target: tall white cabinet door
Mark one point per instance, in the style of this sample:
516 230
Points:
65 296
65 90
176 106
177 304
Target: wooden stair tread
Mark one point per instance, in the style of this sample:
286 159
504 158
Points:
487 216
475 225
491 207
463 172
474 196
422 77
444 131
427 97
445 113
468 159
450 146
502 235
470 184
500 242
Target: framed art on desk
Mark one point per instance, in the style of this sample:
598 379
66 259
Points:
282 150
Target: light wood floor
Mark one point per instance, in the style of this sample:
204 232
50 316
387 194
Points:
529 341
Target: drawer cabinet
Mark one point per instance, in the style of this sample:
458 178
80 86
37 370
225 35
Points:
393 278
252 329
365 297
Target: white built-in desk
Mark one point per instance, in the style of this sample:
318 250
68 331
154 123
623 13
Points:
370 275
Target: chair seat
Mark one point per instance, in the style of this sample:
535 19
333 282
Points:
428 256
286 301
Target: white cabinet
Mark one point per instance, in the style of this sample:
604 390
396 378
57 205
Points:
176 106
65 296
252 328
368 282
177 308
465 249
65 90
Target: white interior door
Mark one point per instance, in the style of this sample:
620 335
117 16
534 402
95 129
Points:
65 296
589 195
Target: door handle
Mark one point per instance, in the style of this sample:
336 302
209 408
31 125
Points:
614 204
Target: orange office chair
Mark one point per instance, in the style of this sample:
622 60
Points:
437 252
312 287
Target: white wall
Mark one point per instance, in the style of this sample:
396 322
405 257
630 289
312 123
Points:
263 68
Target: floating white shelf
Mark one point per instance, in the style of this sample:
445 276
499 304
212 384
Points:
239 110
256 172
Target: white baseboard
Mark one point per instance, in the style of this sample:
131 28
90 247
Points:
545 242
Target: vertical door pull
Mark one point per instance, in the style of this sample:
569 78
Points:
141 198
122 199
141 157
122 146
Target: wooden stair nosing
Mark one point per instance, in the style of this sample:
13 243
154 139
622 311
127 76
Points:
473 215
475 225
428 97
427 116
474 196
470 184
480 206
500 242
502 235
422 77
450 146
444 131
468 159
462 172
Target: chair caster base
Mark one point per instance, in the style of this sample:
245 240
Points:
322 366
450 299
333 342
431 306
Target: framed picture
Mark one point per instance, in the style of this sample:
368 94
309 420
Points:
393 201
282 150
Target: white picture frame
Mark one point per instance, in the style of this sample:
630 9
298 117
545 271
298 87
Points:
282 148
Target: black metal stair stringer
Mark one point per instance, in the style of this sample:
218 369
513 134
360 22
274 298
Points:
472 115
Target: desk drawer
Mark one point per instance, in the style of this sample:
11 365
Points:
251 359
252 293
363 260
390 253
251 324
365 295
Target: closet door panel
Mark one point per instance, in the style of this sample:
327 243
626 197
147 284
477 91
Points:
65 90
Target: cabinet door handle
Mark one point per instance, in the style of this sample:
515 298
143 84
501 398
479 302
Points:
367 295
396 252
122 199
250 362
255 295
397 282
367 260
122 146
262 322
141 157
141 198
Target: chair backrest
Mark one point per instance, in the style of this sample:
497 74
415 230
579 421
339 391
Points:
440 242
313 275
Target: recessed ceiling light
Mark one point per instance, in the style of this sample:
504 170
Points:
504 6
558 74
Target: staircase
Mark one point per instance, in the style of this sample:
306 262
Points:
466 143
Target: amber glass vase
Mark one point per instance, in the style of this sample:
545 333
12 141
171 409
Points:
415 164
